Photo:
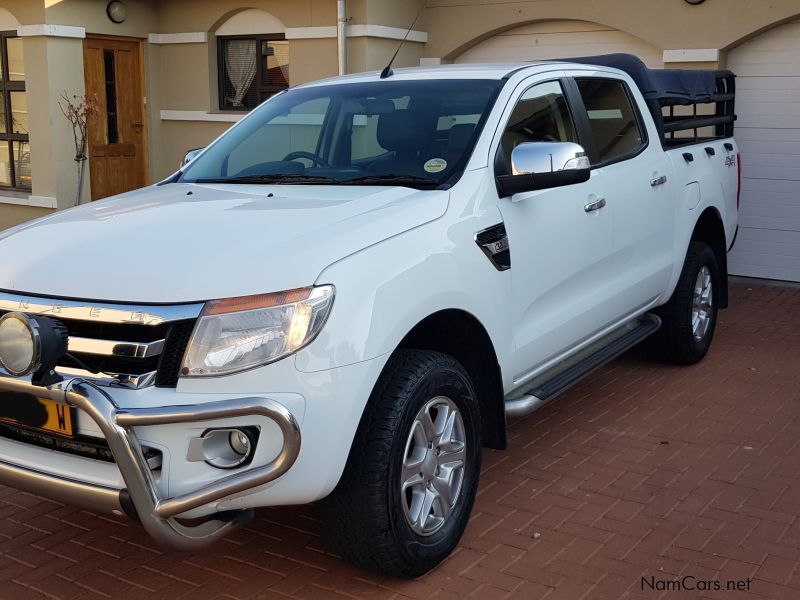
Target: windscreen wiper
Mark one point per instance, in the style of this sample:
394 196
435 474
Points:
278 179
408 180
405 180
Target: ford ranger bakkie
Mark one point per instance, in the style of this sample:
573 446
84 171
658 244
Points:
348 293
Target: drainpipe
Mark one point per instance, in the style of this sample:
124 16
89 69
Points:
341 35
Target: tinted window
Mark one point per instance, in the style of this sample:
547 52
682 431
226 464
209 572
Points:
349 132
541 115
615 128
298 130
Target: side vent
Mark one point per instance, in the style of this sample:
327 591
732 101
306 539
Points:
494 243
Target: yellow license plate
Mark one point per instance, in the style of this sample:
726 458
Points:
42 414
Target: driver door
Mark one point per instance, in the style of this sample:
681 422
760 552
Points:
561 248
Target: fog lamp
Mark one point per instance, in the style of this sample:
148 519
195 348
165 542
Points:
224 448
30 343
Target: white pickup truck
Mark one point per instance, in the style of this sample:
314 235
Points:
347 294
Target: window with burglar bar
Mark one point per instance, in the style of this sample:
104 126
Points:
15 155
251 69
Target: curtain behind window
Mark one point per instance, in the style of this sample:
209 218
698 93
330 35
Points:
241 64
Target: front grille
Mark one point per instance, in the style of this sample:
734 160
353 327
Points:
130 346
169 364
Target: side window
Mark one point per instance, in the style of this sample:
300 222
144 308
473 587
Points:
541 115
612 118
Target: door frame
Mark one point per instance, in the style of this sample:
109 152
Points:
145 114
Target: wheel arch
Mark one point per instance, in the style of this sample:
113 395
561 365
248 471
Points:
710 229
461 335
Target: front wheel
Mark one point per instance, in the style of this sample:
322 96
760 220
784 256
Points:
410 481
689 319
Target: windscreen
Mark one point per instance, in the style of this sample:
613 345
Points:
418 133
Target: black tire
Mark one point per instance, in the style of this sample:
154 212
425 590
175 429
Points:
367 519
676 341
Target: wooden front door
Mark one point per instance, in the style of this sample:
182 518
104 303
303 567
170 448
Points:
116 134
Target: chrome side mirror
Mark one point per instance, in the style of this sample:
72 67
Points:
544 165
547 157
190 156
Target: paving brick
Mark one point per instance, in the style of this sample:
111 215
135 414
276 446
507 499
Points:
776 569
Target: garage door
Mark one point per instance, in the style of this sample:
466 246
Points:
559 39
768 134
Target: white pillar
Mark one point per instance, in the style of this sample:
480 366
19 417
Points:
341 35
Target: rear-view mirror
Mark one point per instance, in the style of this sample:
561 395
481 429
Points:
544 165
190 156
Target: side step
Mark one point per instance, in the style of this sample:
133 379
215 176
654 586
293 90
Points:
543 388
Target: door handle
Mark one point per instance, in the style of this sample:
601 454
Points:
596 205
658 181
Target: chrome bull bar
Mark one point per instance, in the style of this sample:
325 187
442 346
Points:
156 514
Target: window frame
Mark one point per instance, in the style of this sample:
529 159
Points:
583 123
6 88
260 86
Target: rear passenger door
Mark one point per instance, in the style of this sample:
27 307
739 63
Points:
634 175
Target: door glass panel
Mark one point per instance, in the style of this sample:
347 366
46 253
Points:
111 96
19 112
615 129
22 163
541 115
16 62
2 114
5 165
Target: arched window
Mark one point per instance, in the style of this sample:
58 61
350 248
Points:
253 57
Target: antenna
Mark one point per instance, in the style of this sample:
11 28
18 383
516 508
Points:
387 72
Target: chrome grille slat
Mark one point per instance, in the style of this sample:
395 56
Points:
116 348
111 379
131 345
99 312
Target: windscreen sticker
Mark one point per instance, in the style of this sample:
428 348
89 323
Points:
435 165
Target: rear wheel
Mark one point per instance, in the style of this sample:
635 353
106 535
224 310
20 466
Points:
411 477
689 319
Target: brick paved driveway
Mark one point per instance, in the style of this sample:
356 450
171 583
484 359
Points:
640 470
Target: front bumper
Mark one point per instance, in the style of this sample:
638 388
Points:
141 497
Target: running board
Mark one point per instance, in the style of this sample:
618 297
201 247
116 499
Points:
543 388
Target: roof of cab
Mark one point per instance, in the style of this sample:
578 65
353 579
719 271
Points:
459 71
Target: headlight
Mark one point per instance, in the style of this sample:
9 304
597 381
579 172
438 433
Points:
237 334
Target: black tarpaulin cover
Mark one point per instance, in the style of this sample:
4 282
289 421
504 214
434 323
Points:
668 86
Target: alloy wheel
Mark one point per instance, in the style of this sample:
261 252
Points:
433 466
